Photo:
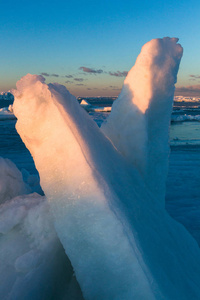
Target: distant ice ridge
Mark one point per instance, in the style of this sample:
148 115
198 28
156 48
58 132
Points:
7 113
186 99
107 200
182 118
88 107
6 96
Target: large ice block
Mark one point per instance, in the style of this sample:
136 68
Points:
120 240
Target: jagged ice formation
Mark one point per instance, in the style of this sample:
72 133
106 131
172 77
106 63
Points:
106 186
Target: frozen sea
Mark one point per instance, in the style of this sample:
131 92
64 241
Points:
183 183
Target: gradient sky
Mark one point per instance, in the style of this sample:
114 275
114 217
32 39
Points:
88 46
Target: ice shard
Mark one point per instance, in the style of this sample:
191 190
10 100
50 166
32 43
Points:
139 122
120 240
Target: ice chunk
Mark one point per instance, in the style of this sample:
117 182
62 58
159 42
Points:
10 108
101 109
89 107
80 199
33 262
120 240
85 103
33 181
139 122
7 113
11 181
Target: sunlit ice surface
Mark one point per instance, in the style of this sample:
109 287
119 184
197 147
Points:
105 187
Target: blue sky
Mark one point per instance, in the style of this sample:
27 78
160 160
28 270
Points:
57 38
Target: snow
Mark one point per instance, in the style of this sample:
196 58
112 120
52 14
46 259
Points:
108 213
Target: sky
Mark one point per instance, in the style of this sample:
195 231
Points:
89 46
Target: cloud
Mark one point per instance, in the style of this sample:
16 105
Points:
54 75
91 71
78 79
44 74
47 74
187 91
80 84
68 81
68 76
119 73
195 76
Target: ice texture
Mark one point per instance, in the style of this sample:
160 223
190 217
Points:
33 262
139 122
32 259
11 181
110 220
72 176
